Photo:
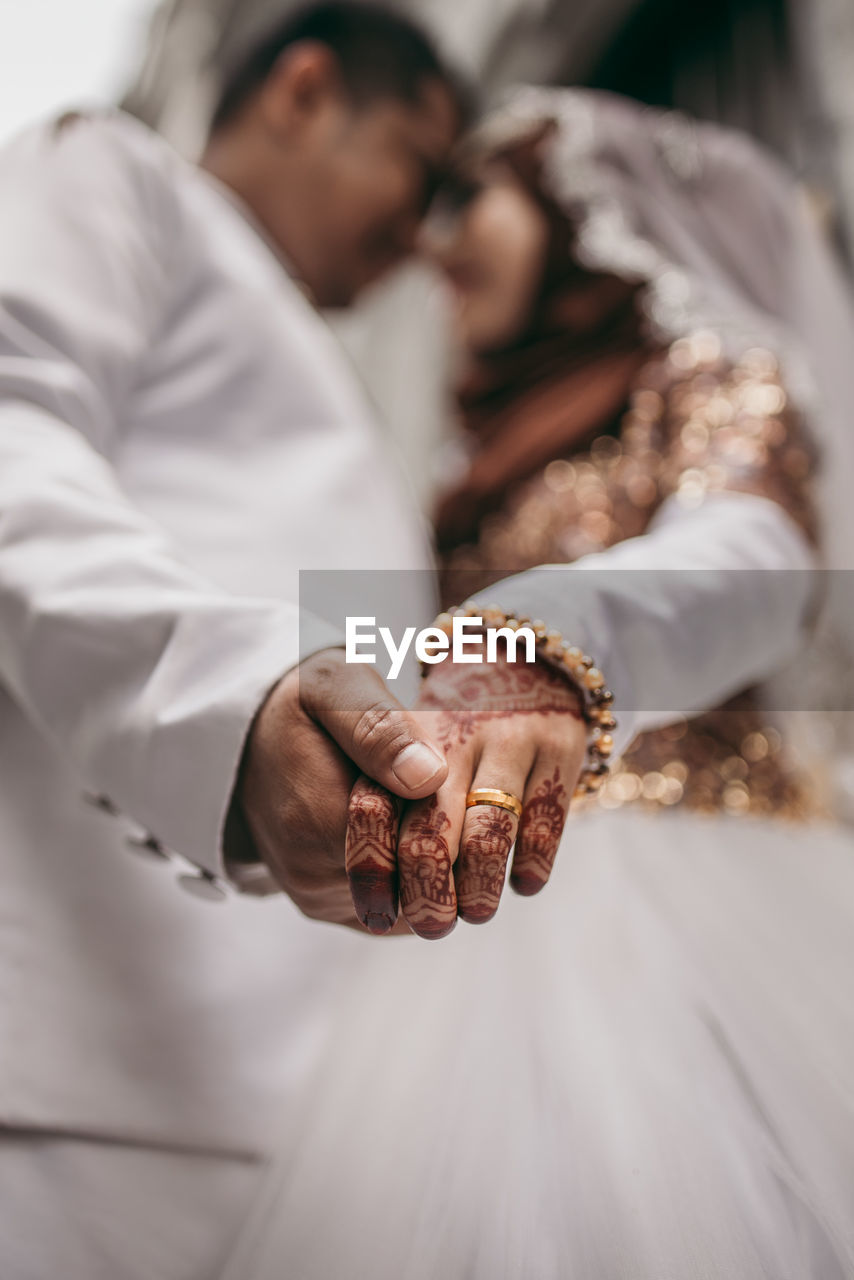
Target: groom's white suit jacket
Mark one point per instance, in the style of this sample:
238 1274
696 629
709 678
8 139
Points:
179 434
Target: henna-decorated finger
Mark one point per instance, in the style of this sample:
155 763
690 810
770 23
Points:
545 806
487 837
371 854
429 839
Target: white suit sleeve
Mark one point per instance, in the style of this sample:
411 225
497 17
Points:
144 675
704 604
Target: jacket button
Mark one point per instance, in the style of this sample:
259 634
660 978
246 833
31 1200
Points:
104 803
203 886
147 846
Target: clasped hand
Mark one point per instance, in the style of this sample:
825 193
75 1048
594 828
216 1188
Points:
416 857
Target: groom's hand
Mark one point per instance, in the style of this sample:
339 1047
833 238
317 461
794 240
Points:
322 725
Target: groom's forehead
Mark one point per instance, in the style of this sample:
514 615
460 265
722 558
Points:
429 125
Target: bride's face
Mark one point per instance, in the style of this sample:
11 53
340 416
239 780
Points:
492 250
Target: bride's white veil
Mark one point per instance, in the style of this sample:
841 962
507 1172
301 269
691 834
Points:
725 240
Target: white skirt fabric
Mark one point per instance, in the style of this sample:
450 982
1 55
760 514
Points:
646 1073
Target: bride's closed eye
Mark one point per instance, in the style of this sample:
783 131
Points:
451 199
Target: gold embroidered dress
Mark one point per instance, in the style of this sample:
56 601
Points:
695 425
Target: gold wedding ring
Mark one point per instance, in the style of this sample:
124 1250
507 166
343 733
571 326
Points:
501 800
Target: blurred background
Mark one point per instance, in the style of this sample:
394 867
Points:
779 69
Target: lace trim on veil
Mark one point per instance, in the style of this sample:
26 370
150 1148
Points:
674 301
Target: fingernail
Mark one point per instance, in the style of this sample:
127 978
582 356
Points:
525 884
416 765
433 929
377 923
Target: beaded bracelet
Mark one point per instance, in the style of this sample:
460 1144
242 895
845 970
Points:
571 661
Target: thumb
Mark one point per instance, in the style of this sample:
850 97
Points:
385 741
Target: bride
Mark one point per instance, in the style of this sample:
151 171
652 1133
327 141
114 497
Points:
644 1071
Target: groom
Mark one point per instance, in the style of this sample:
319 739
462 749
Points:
179 436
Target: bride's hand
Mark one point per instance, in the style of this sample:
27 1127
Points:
511 727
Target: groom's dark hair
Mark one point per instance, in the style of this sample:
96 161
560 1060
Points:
379 53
